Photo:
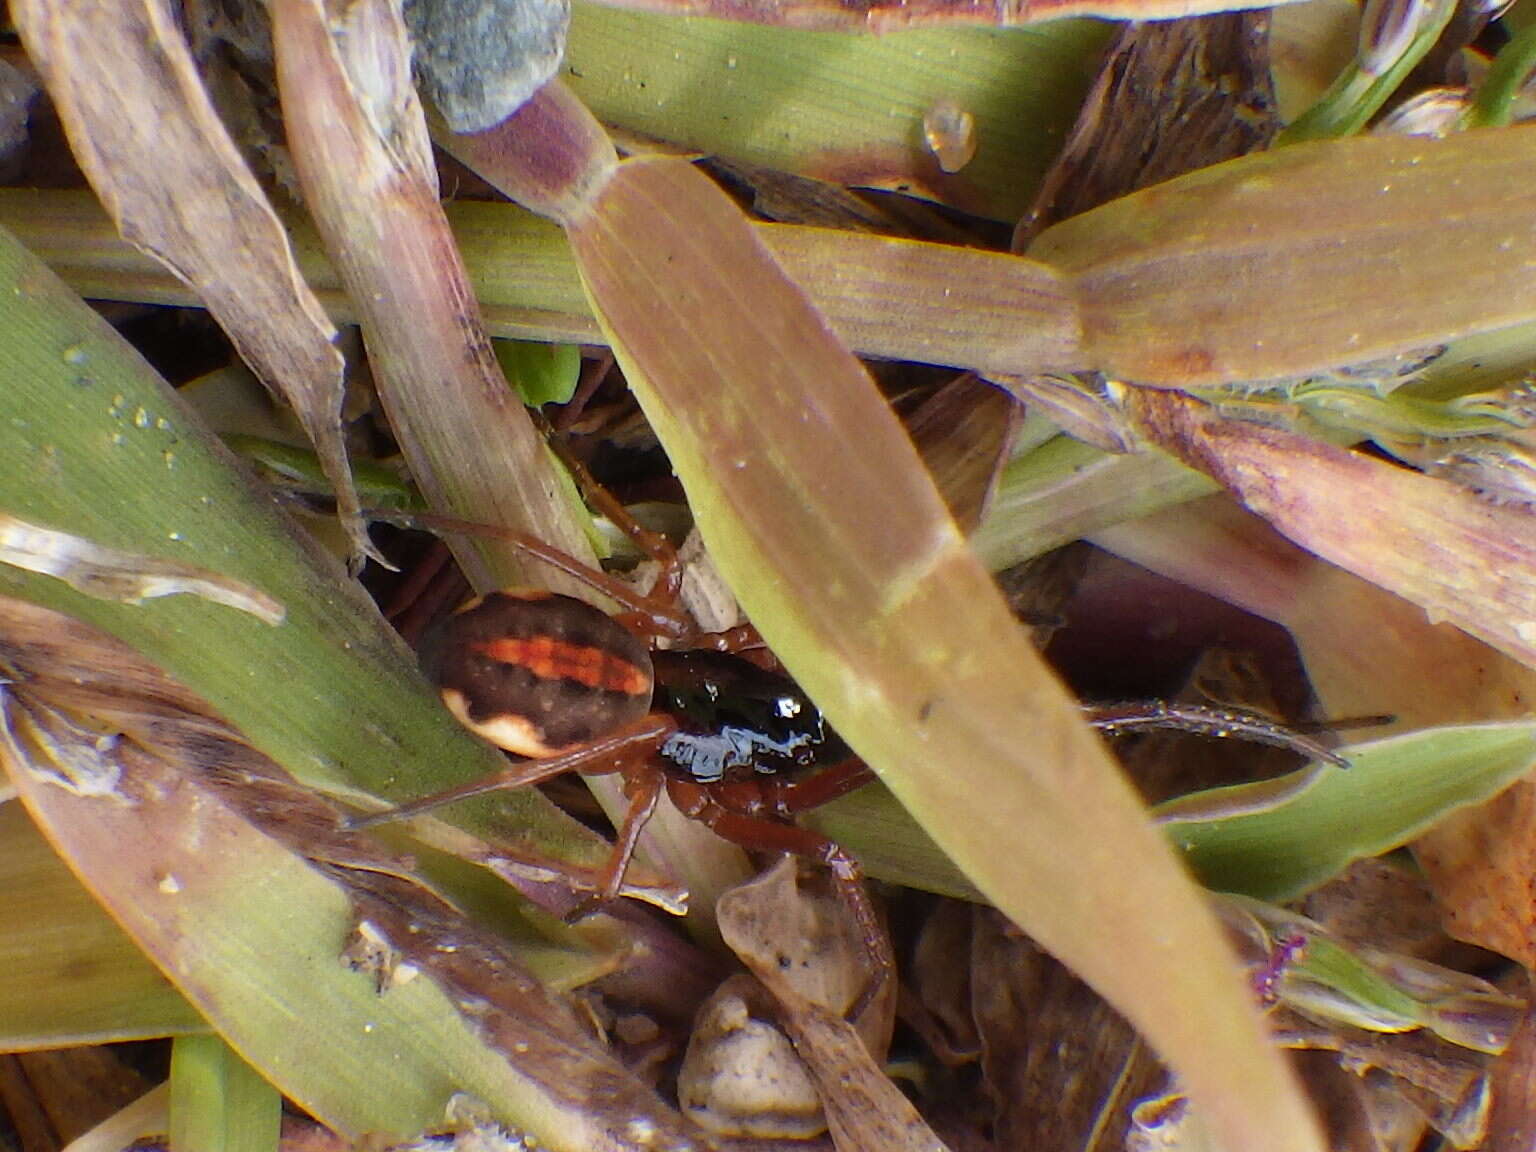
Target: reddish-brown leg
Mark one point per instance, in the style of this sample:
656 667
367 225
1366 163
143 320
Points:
636 744
643 782
669 580
657 613
592 375
742 638
761 834
786 796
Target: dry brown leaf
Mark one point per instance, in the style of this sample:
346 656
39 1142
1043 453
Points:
965 432
360 145
1431 542
1063 1066
1512 1122
1444 1083
1360 1117
1215 101
54 1098
146 135
1481 863
1382 904
941 984
776 932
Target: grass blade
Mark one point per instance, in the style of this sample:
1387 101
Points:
218 1102
844 556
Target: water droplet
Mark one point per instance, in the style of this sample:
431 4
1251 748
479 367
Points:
950 133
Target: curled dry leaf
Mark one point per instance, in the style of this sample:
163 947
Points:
1445 1084
363 155
112 574
965 432
245 891
122 78
1063 1067
1077 404
1512 1118
1215 101
785 938
1458 557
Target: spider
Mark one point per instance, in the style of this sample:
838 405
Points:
569 688
736 746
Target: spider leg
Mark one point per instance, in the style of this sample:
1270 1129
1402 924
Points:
654 614
643 782
1115 719
669 580
639 740
742 638
761 834
786 796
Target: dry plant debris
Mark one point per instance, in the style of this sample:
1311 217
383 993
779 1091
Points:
1332 336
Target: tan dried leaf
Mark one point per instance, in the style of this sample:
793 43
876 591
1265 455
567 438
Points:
112 574
786 939
146 135
360 146
1459 558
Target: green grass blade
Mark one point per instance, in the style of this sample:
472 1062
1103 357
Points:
838 106
1394 791
97 446
218 1102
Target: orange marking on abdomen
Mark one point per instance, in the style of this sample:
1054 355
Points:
549 659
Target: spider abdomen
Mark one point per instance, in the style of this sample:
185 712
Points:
537 673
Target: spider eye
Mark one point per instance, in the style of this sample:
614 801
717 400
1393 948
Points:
787 706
